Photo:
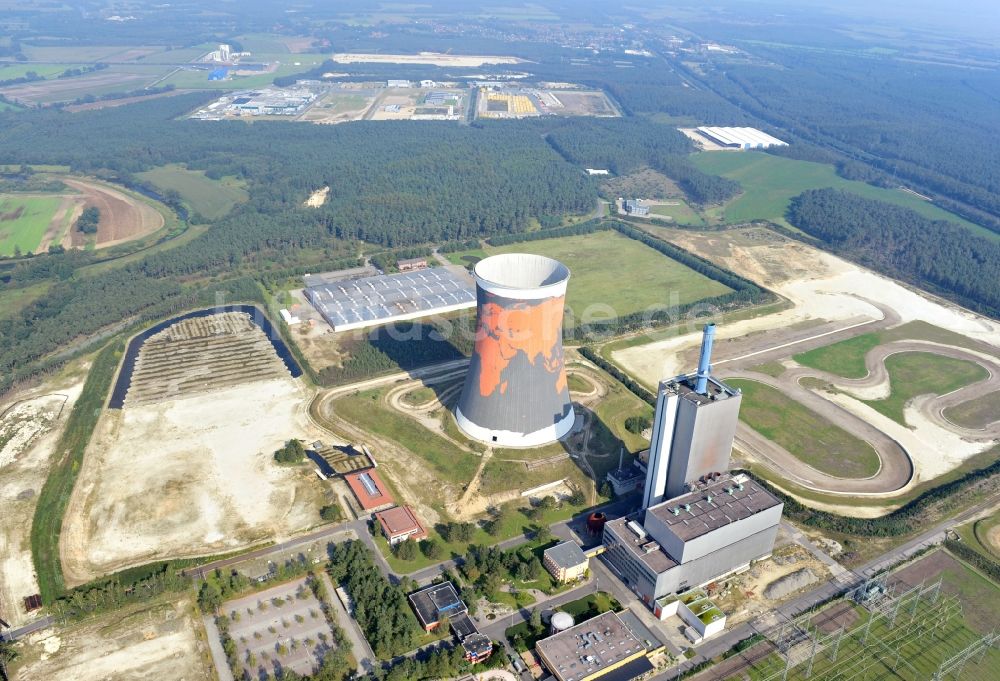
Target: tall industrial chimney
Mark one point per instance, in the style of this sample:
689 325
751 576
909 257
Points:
693 429
704 361
515 394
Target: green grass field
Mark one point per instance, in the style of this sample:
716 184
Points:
597 263
682 214
921 373
23 221
975 535
17 70
805 434
447 460
847 358
976 413
770 182
211 198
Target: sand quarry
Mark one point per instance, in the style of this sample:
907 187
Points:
193 474
29 431
152 641
828 295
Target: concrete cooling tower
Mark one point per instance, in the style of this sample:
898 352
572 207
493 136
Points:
515 393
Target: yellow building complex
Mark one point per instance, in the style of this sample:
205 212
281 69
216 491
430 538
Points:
500 104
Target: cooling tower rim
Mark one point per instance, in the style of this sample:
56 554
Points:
522 275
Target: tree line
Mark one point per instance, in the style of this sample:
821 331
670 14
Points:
897 241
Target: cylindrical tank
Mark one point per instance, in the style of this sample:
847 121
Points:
515 394
561 621
595 522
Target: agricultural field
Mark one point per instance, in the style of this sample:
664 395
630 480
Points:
596 262
804 433
24 221
114 79
203 195
17 70
921 373
770 182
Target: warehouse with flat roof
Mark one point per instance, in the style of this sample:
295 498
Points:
740 137
602 647
369 301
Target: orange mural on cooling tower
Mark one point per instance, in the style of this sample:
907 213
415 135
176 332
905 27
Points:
534 329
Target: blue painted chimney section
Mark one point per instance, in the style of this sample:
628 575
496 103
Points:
704 362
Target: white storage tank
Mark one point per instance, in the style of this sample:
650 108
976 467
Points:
561 621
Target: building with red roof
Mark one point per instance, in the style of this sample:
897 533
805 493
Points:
369 490
399 524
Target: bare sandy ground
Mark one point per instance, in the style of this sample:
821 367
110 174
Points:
836 296
190 477
820 286
33 426
318 198
150 642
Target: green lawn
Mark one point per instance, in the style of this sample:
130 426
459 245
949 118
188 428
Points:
846 358
23 221
770 182
211 198
804 433
366 411
609 435
978 412
523 638
682 213
921 373
597 264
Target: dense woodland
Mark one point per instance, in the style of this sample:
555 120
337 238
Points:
931 125
896 240
392 184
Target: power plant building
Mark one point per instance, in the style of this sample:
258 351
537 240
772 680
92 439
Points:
515 393
695 538
697 522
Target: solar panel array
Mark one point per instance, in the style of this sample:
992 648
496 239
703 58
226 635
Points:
369 484
371 300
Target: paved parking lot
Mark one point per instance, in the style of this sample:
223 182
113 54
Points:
280 628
